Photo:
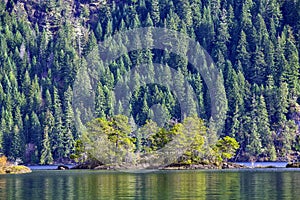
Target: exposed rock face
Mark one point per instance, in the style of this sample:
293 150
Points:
51 16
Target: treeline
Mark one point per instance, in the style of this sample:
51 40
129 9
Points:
253 43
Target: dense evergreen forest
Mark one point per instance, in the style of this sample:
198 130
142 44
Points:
254 43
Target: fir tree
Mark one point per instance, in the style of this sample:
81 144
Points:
46 155
263 127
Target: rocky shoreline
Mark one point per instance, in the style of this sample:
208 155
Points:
225 165
94 165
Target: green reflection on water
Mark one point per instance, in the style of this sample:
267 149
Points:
244 184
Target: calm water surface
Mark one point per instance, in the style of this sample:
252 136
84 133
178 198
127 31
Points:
233 184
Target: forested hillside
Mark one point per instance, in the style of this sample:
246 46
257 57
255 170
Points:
254 43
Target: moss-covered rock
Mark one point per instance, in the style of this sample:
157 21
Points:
8 168
15 169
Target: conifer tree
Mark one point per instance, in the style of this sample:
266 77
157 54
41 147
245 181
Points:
232 87
100 101
280 61
254 146
58 130
98 31
155 12
270 97
282 103
258 68
46 155
35 130
292 57
243 55
184 11
263 127
69 126
48 105
18 119
17 148
220 48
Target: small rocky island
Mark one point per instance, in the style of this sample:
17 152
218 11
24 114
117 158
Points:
8 168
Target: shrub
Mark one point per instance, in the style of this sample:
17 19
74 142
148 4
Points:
3 161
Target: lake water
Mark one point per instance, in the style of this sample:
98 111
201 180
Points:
264 164
85 185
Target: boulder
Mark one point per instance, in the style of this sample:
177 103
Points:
62 167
